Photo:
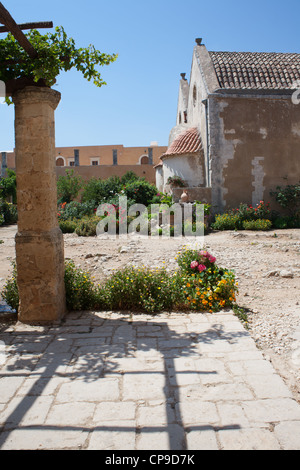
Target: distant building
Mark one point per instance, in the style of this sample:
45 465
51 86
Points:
101 161
237 132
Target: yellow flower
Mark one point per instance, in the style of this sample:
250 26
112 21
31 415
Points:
188 285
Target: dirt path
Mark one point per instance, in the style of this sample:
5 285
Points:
267 267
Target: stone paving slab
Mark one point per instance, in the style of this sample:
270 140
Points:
112 381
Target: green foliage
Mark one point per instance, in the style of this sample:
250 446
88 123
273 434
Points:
139 289
282 222
226 222
288 197
146 290
75 210
259 224
8 213
100 191
56 53
235 218
80 289
68 226
10 291
8 186
68 187
86 227
176 181
140 191
208 288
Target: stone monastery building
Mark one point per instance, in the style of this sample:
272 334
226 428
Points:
237 133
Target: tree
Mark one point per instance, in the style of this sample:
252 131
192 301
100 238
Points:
56 53
8 186
68 187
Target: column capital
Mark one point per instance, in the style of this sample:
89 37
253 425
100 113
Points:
36 94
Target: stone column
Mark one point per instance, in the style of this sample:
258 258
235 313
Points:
39 241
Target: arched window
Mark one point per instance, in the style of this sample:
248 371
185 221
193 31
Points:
60 161
144 160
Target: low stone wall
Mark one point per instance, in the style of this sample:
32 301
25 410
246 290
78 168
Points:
105 171
195 194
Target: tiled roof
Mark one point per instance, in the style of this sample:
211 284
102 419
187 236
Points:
187 142
256 70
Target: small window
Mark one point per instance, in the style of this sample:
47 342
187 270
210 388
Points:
179 119
94 161
194 95
72 163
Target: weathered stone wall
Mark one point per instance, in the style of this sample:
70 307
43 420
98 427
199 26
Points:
255 146
189 167
105 171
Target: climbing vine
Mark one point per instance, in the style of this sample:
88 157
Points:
56 52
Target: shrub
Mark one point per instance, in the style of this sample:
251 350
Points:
144 289
80 289
9 186
288 197
259 224
10 291
226 222
283 222
205 285
68 226
140 191
68 187
87 226
75 210
8 212
176 181
100 191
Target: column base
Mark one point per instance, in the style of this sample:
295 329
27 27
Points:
40 271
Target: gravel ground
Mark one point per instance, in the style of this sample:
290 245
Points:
267 267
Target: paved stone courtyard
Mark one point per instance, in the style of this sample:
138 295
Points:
119 382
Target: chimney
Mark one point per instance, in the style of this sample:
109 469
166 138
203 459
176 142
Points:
198 41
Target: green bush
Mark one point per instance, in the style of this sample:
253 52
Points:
259 224
8 212
288 198
9 186
139 289
10 291
87 226
226 222
80 289
68 226
140 191
68 187
100 191
75 210
283 222
147 290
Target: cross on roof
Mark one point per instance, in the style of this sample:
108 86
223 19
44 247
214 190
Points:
11 26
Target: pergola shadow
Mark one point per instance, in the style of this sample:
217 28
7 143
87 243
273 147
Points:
87 348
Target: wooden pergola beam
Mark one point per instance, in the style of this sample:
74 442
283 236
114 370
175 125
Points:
40 25
11 25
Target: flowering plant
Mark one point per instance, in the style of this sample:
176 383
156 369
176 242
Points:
194 261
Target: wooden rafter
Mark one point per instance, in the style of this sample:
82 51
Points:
41 24
7 20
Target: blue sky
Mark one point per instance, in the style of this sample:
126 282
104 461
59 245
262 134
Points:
154 42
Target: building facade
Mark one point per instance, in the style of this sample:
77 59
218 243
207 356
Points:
237 132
